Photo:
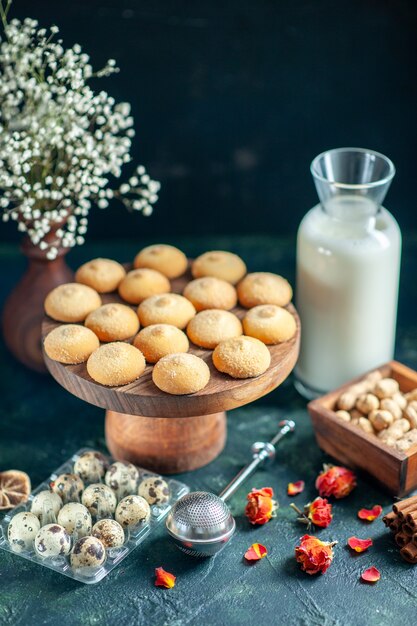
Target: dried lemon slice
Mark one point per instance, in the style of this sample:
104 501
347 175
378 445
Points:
14 488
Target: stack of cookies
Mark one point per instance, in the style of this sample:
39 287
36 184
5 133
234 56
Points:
149 323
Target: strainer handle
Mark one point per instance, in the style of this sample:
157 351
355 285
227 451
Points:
263 451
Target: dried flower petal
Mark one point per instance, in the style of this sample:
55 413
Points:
256 552
335 481
164 579
359 545
314 555
370 514
261 506
371 575
294 488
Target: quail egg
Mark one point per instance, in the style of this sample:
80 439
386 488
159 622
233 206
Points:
88 552
110 533
154 489
52 540
123 478
100 500
68 486
75 516
132 510
91 466
22 531
45 501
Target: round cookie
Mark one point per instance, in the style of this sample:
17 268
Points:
181 374
71 302
211 293
264 288
166 259
70 344
208 328
116 364
158 340
113 322
269 323
169 308
103 275
140 284
220 264
242 357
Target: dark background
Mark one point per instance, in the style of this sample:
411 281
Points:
233 98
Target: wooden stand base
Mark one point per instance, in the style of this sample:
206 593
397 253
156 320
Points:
168 445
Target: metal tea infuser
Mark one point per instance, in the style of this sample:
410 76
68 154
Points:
200 522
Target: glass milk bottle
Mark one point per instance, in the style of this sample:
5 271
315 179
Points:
348 265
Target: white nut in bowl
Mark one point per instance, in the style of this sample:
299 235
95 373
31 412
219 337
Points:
381 419
91 466
365 425
100 500
386 388
110 533
46 500
410 413
88 553
346 401
132 510
366 403
75 516
389 404
343 415
123 478
52 540
22 531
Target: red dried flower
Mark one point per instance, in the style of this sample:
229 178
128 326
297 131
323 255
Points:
320 512
335 481
256 552
370 515
164 579
314 555
261 506
371 575
359 545
295 488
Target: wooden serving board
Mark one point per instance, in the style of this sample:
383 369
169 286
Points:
143 398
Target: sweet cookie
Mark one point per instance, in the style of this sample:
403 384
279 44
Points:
242 357
70 344
208 328
71 302
180 374
170 308
269 323
211 293
168 260
103 275
116 364
159 340
140 284
220 264
113 322
264 288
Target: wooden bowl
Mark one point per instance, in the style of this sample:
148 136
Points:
395 471
170 433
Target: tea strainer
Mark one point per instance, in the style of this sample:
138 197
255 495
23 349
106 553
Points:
200 522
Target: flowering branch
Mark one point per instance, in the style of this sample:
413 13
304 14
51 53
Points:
60 143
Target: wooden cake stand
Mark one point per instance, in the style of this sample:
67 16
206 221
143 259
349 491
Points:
167 433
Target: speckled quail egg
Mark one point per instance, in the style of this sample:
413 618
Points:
88 552
154 489
22 531
52 540
68 486
100 500
110 533
123 478
91 466
132 510
45 501
75 516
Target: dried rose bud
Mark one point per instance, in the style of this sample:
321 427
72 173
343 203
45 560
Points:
335 481
261 506
314 556
320 512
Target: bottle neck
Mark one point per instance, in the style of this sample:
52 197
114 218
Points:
353 210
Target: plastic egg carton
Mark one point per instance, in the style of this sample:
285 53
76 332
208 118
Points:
114 556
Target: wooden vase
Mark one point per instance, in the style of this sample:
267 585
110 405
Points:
23 311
